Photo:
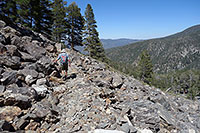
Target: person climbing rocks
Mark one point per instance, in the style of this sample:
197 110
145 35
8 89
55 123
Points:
64 61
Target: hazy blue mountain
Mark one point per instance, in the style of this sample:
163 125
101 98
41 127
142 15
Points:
111 43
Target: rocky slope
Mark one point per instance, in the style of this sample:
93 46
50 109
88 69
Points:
175 52
32 98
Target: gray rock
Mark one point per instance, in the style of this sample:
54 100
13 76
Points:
1 70
9 77
2 88
58 46
15 40
50 48
19 100
125 127
12 88
10 30
27 57
5 126
144 131
2 39
164 114
12 50
12 62
117 81
45 65
21 123
29 80
3 49
42 81
26 72
27 39
2 24
105 131
41 90
35 51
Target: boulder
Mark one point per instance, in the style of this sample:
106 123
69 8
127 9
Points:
26 72
6 126
50 48
9 29
45 65
42 81
21 123
117 81
22 101
144 131
12 50
10 61
9 113
26 39
29 80
2 88
27 57
41 90
105 131
3 49
9 77
2 24
15 40
58 47
34 50
12 88
2 39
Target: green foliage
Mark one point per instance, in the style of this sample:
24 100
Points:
35 14
76 25
92 41
59 20
170 53
145 67
180 82
8 8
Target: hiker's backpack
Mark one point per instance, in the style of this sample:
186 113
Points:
64 58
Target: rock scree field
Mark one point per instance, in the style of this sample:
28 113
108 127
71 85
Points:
93 99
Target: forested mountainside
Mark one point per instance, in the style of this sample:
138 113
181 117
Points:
111 43
93 98
175 52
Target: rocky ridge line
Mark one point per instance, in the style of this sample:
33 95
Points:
33 98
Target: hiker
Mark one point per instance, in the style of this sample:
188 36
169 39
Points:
64 59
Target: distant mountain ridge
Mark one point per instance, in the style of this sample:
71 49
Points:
178 51
111 43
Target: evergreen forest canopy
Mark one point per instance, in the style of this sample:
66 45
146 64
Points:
57 21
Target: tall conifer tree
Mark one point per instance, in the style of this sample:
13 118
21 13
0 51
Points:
145 67
92 41
59 20
8 8
76 25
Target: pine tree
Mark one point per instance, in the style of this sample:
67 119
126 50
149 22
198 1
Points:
59 20
25 12
42 16
145 67
8 8
92 41
76 25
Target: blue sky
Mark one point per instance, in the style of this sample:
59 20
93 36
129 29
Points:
142 19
